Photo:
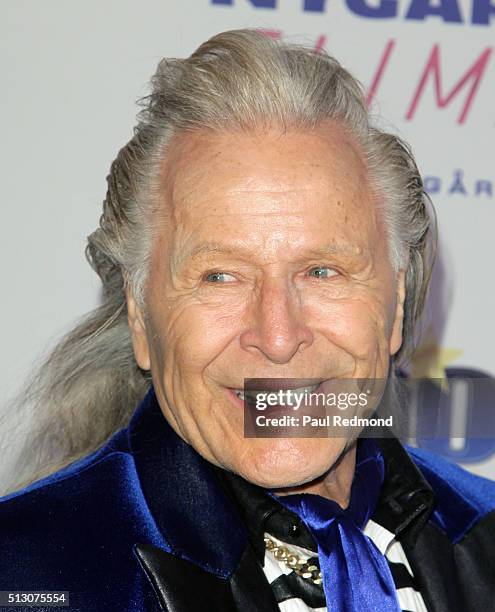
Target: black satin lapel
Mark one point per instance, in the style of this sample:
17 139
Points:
250 588
474 557
288 586
181 586
432 563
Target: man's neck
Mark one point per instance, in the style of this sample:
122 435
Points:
334 484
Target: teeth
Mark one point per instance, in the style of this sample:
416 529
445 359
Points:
252 394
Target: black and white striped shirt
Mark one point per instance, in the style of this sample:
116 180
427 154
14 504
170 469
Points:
286 584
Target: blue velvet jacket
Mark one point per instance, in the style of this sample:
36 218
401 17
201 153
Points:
143 525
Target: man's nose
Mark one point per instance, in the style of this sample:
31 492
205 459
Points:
277 327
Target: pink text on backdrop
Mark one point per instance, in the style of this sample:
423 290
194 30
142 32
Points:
469 81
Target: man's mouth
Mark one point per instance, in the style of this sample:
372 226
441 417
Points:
252 394
289 390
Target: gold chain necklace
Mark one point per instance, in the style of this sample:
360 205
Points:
303 568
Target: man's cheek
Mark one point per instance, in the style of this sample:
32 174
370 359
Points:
362 331
376 341
199 335
353 324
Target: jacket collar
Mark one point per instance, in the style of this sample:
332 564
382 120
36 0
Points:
207 515
407 499
195 517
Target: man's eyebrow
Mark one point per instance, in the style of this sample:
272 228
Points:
211 247
207 248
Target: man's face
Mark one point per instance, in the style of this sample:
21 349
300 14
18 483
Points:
270 261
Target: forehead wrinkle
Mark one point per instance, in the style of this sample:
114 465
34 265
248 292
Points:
184 178
211 202
266 182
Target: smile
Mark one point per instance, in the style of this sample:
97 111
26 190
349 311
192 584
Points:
252 394
278 393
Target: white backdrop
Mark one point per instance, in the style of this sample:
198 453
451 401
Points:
72 71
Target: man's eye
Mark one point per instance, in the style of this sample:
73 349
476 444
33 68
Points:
219 277
322 272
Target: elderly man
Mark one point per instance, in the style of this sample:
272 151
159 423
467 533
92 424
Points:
256 226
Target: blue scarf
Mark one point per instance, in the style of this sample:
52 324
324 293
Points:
356 576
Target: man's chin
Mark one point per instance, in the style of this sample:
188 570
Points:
280 481
290 465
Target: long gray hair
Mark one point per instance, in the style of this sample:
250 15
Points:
88 387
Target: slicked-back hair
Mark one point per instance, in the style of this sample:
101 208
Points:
240 80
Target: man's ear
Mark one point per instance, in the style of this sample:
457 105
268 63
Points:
397 327
137 328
